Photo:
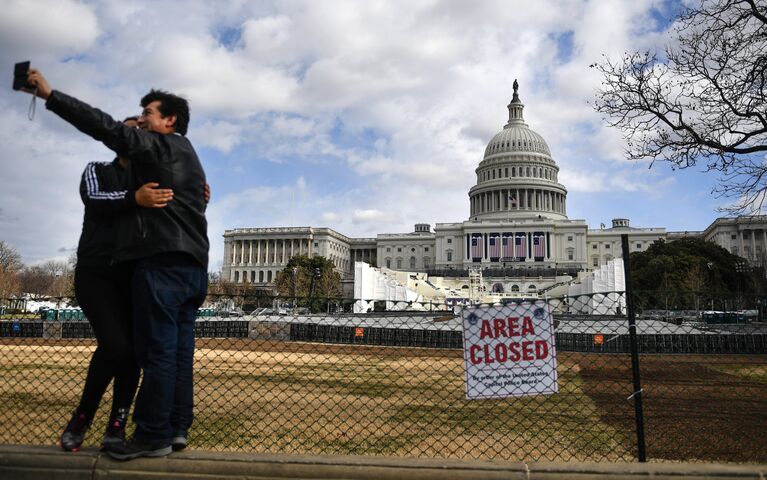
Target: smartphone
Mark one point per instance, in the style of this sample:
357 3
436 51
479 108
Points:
20 76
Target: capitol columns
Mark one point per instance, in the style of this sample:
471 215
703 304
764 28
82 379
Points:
753 245
548 246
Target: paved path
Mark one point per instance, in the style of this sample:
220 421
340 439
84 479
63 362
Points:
49 463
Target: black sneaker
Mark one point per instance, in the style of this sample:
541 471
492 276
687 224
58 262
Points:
74 433
115 432
136 449
178 443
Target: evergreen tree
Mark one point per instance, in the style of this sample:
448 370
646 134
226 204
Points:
696 274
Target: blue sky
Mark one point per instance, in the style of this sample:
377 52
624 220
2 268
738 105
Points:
366 117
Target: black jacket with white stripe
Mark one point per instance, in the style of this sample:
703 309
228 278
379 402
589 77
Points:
102 189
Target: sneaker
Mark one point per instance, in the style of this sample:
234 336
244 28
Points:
74 433
136 449
115 432
178 443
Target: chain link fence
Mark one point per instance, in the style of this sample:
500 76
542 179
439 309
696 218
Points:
311 376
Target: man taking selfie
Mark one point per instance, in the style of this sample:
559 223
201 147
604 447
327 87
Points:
168 250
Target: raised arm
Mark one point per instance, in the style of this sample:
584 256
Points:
125 141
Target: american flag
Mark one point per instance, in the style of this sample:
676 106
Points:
520 246
476 247
512 200
539 248
494 248
508 245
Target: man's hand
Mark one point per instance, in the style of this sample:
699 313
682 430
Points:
207 193
149 196
34 77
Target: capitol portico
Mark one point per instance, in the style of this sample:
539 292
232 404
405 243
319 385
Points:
518 228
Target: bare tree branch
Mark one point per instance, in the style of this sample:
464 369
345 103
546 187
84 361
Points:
701 102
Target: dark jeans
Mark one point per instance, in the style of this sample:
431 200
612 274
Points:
104 294
167 291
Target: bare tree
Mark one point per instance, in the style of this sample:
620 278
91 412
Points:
10 259
53 278
10 266
701 102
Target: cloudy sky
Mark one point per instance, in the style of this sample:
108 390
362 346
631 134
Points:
366 117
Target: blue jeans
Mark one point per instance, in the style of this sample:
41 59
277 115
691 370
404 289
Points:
167 291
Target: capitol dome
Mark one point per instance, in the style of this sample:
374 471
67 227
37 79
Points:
517 177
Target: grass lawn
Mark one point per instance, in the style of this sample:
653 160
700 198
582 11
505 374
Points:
290 397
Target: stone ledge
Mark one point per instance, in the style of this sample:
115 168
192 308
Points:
22 462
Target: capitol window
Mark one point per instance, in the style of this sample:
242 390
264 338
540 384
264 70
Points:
412 262
449 256
569 238
388 263
399 249
388 249
639 246
399 263
594 246
425 249
449 240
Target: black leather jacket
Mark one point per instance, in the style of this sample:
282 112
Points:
169 160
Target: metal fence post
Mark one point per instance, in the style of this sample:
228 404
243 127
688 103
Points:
637 395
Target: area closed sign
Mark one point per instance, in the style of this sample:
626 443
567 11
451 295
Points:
509 351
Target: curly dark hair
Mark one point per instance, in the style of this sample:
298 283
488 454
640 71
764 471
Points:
170 104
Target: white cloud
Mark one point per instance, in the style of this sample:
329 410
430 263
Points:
370 216
221 135
330 217
45 28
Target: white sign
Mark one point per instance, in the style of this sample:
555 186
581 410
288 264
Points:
509 350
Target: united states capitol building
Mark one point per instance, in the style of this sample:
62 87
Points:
518 234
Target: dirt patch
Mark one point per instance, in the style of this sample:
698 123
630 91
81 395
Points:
693 408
